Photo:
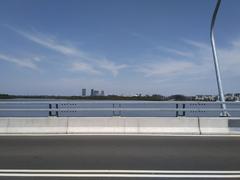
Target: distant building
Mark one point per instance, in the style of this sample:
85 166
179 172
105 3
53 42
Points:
237 94
232 97
199 97
138 95
92 92
95 93
205 98
84 92
229 97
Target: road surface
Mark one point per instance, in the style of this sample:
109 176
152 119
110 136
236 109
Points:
135 155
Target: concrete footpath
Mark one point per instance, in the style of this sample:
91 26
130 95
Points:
119 125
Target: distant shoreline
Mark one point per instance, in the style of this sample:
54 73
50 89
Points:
109 97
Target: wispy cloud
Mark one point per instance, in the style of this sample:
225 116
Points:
84 61
47 41
229 56
111 66
84 67
197 44
22 62
197 64
177 52
166 69
193 63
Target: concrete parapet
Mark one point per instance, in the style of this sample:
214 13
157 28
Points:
234 125
169 125
219 125
119 125
36 125
95 125
214 125
128 125
3 125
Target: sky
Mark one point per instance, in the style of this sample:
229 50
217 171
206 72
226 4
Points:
123 47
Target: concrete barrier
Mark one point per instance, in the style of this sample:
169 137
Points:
36 125
214 125
169 125
234 125
119 125
129 125
95 125
3 125
105 125
220 125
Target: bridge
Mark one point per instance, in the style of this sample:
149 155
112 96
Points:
116 117
112 140
116 140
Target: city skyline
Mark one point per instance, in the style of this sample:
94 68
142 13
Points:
146 50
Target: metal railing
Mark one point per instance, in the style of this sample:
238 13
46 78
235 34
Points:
118 108
111 102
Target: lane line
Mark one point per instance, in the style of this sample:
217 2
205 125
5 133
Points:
120 175
108 134
117 171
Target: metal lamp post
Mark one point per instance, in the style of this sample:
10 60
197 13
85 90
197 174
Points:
216 64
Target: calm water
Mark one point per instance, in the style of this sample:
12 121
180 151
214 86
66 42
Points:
106 104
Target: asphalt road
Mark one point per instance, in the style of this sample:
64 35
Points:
118 153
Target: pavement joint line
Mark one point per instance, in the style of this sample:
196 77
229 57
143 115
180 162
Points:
119 171
122 175
109 134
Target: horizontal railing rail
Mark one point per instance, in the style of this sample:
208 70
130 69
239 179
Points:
117 102
122 109
57 108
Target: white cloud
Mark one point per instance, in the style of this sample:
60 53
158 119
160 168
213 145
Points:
228 56
197 66
88 62
22 62
177 52
191 61
230 60
111 66
166 69
197 44
86 68
49 42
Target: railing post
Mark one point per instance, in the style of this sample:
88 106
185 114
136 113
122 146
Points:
50 112
184 113
57 109
113 110
176 110
120 112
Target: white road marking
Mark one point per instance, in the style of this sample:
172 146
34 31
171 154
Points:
119 173
116 171
120 134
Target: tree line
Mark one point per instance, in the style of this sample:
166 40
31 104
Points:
154 97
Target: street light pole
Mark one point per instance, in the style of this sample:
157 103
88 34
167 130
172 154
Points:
216 64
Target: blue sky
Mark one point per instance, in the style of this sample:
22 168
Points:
121 46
